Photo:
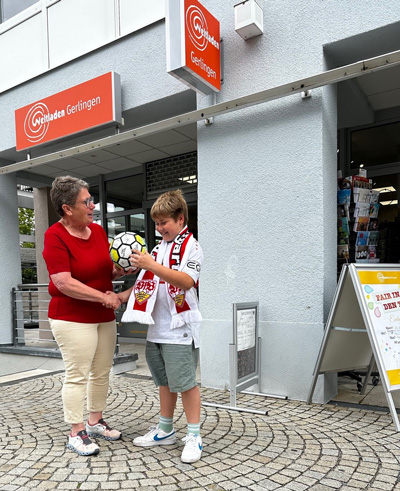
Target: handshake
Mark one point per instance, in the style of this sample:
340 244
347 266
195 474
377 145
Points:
114 300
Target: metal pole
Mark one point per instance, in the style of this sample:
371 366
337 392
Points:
232 373
368 375
235 408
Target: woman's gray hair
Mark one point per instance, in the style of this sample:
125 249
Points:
65 190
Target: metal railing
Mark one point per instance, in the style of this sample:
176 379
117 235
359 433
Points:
31 328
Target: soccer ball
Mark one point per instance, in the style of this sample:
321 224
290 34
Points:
121 248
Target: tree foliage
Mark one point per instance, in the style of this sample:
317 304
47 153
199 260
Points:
26 221
27 227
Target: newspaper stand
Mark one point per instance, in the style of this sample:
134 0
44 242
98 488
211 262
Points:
363 327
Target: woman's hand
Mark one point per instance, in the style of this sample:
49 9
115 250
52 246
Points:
111 300
119 272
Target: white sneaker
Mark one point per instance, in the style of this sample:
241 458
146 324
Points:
193 448
82 444
155 437
102 430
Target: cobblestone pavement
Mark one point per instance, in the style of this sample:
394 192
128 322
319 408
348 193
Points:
294 447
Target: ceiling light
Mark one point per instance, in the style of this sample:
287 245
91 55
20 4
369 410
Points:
388 189
388 203
189 179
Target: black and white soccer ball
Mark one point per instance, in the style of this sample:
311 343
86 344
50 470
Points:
121 248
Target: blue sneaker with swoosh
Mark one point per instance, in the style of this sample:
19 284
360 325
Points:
193 448
155 437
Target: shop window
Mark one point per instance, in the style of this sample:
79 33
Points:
125 193
10 8
127 223
375 146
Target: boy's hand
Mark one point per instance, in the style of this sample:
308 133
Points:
145 261
142 260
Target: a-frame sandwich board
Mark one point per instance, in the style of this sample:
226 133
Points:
363 327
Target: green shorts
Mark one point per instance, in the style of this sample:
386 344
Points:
173 365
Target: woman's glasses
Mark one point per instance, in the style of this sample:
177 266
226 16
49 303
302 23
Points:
88 201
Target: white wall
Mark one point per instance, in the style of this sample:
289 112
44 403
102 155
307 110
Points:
53 32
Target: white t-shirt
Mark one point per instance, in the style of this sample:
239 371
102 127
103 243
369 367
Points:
160 331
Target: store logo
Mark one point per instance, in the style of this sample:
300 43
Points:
35 125
197 28
381 277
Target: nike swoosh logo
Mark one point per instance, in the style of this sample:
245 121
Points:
157 438
201 447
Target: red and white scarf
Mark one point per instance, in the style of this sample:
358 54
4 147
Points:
182 303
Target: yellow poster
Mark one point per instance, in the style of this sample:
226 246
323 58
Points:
381 291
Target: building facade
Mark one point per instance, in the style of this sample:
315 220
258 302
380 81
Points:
261 181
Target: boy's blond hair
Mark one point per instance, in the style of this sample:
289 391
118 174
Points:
170 204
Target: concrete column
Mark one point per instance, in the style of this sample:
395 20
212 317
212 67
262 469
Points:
45 216
9 252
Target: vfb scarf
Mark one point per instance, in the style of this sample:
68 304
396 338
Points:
183 304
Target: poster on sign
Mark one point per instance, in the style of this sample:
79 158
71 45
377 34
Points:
193 45
91 104
381 294
246 341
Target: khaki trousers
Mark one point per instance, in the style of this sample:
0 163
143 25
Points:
87 351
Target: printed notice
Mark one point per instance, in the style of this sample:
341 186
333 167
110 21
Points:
246 329
381 291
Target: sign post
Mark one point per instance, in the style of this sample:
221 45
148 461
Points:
363 327
244 356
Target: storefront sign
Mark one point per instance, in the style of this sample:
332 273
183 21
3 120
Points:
85 106
193 45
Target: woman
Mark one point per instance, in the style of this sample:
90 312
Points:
81 314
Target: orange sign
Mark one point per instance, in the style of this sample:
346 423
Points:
202 43
82 107
193 45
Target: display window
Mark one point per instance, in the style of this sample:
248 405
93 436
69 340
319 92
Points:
368 197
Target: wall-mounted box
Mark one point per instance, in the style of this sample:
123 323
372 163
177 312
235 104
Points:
248 19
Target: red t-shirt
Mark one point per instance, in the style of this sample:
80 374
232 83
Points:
89 262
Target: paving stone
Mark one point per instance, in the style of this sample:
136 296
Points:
295 447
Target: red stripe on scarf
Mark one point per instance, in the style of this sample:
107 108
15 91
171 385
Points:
146 286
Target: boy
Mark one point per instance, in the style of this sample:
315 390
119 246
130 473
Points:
165 298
